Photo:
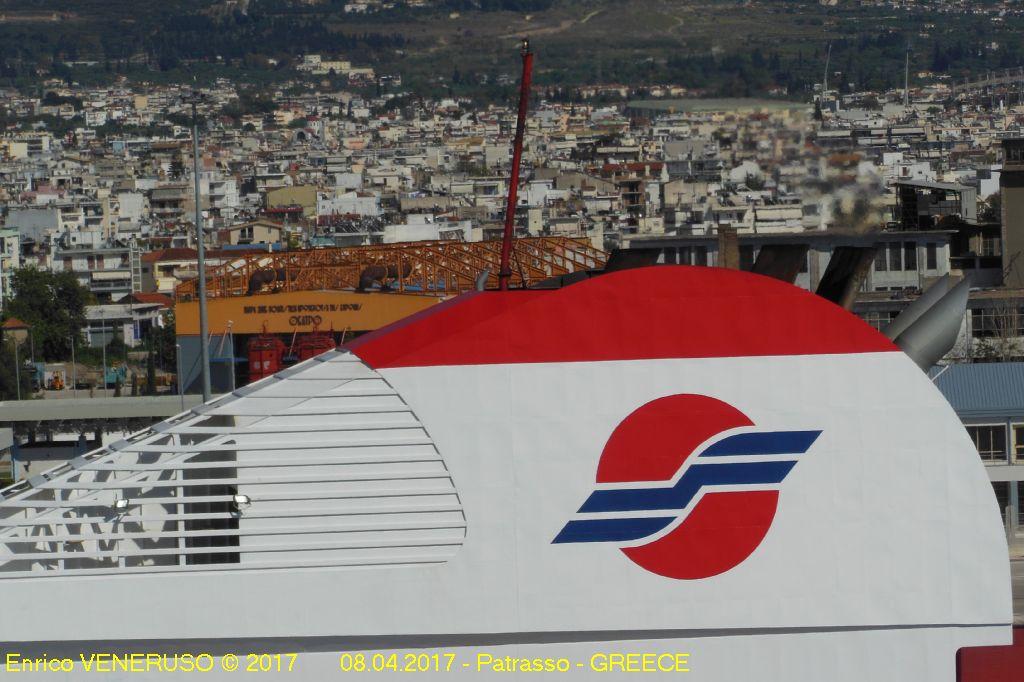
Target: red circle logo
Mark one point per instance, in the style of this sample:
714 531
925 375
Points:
687 487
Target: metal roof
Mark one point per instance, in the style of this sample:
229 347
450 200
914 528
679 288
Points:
994 389
85 409
928 184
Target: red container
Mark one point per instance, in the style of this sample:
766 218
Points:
311 345
265 354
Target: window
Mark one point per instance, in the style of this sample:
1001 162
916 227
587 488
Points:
984 323
878 319
909 255
1020 503
990 246
895 261
700 255
881 264
990 442
1018 442
1001 323
931 258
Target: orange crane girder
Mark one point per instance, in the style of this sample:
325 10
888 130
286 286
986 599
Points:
433 268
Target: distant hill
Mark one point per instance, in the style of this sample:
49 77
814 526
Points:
721 47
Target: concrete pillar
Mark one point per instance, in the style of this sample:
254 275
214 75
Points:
1011 190
1015 503
728 248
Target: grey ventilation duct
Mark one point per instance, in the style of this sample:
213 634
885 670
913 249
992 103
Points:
929 327
913 312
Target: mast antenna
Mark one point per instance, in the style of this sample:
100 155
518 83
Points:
505 269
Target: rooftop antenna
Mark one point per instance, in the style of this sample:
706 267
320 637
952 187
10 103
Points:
906 80
824 81
505 270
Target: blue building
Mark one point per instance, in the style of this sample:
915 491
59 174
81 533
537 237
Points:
989 399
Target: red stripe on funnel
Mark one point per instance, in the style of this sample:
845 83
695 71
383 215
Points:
646 313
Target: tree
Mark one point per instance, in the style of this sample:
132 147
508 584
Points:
163 342
8 388
992 209
52 304
996 332
150 370
753 182
871 103
116 347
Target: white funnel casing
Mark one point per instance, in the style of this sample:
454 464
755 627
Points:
656 461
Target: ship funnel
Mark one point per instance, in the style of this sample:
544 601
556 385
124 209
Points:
913 312
929 327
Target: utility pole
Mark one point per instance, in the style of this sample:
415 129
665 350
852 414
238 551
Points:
204 342
906 81
181 388
74 368
17 370
231 347
105 394
824 81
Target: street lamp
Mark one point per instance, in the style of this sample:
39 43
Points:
105 395
181 386
204 342
17 370
74 368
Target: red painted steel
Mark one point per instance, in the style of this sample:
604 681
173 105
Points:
313 344
665 449
505 268
668 311
992 663
266 353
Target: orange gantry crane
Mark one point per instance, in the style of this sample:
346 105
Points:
434 268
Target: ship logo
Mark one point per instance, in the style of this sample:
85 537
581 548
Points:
687 487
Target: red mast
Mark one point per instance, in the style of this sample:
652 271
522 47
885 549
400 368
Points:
505 272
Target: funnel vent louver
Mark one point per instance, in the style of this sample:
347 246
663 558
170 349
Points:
326 466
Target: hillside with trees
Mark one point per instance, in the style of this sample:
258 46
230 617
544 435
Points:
720 47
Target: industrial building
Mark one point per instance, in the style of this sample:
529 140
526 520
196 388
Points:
1011 188
903 260
989 399
268 310
921 205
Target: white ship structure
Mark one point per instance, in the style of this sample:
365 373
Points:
656 461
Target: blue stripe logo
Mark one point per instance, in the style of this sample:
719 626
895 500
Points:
632 506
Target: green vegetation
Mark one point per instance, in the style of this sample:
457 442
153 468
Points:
723 47
51 99
53 307
8 388
161 342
